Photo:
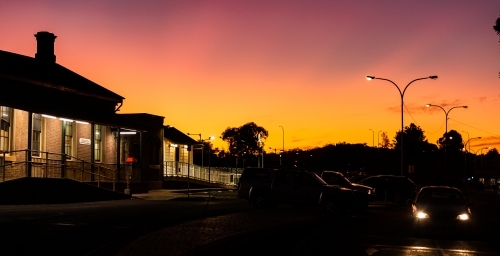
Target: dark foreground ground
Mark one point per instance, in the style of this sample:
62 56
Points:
224 225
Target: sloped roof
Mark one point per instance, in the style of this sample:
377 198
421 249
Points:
52 75
177 137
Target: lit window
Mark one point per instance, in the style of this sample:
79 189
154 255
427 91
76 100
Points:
5 128
97 142
36 142
125 148
68 139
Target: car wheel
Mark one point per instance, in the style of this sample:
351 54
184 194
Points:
260 201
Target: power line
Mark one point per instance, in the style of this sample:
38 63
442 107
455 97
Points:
474 127
407 110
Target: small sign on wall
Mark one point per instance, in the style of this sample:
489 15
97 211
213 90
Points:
84 141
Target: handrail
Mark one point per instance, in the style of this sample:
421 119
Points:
215 175
45 162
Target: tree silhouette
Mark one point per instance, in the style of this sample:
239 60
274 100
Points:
244 140
413 136
385 141
453 141
497 29
497 26
415 142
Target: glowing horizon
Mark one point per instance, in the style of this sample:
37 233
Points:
301 65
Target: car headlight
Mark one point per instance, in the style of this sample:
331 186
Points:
422 215
463 216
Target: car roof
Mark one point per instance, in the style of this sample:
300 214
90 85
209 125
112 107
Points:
440 188
332 172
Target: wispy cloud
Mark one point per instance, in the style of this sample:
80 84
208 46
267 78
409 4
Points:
419 109
482 99
489 141
445 105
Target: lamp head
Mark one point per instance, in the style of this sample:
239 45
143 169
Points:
433 77
370 78
465 107
428 105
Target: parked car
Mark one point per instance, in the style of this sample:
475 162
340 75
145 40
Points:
396 189
440 208
356 178
267 187
364 194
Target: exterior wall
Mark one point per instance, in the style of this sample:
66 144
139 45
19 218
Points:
52 131
109 146
20 127
83 131
48 164
18 141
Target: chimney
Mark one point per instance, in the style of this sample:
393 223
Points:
45 47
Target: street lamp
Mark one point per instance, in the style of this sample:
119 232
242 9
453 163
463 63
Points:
445 113
481 153
446 132
199 134
378 139
475 157
373 138
261 145
465 158
401 93
467 138
283 140
209 180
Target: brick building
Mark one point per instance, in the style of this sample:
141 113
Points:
56 123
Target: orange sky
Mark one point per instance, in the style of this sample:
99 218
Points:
209 65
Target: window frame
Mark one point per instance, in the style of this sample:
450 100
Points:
5 128
98 142
68 137
36 145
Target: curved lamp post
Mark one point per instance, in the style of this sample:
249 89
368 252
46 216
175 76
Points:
402 94
465 158
482 156
373 138
446 131
475 157
445 113
283 148
378 139
209 152
199 134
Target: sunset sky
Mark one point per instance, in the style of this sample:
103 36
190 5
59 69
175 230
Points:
209 65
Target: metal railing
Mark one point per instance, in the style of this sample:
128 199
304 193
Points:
220 175
15 164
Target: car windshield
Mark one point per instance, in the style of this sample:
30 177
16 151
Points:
440 197
335 179
319 179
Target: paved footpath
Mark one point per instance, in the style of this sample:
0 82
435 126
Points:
188 237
